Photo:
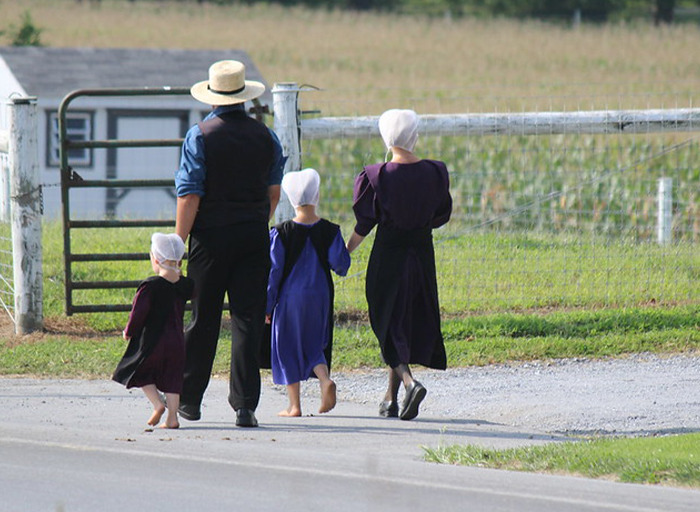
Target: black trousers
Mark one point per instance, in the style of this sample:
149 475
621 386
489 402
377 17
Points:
231 261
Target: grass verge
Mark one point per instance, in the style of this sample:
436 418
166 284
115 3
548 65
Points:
474 340
670 460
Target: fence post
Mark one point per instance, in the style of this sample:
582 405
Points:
286 112
665 207
25 197
4 177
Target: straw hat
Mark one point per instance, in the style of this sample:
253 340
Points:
226 85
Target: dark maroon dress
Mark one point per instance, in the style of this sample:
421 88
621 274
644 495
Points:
156 351
405 202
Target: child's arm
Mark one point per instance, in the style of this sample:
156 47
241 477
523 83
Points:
139 311
276 268
339 256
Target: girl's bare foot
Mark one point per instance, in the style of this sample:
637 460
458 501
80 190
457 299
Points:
328 397
155 417
168 424
290 412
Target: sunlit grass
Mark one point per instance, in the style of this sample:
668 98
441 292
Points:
671 460
364 61
469 341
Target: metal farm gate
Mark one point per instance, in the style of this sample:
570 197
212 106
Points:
116 188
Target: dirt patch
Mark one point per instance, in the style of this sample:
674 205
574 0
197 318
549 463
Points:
72 327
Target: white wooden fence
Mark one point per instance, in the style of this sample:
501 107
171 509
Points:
22 190
291 129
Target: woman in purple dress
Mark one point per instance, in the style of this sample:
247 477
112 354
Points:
303 251
405 198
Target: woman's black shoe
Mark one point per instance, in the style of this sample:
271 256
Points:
415 393
389 409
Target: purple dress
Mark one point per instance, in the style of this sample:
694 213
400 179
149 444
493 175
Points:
301 307
155 353
405 202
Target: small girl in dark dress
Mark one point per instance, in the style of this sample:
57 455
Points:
155 357
405 198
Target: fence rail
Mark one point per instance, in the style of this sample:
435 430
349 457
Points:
526 123
551 209
565 200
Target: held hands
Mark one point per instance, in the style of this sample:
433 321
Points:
354 241
268 319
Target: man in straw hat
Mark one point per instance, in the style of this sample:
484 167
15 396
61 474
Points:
228 186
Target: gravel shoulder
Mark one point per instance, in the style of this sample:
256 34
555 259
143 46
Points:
638 395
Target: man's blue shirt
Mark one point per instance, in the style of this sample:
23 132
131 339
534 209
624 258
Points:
190 177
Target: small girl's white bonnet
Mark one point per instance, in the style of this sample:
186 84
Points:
399 128
302 187
167 247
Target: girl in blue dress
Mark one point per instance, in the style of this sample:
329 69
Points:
303 252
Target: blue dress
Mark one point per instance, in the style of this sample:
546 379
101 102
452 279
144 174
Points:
301 305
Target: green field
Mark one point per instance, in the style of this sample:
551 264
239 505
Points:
365 61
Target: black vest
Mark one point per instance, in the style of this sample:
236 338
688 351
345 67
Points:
238 152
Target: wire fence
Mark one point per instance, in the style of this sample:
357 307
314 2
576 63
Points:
543 221
540 222
6 264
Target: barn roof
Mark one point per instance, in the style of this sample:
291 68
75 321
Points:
54 72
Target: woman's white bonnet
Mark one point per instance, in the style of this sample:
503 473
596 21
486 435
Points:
399 128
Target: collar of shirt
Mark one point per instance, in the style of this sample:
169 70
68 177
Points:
226 108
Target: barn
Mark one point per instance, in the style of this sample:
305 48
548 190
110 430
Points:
49 74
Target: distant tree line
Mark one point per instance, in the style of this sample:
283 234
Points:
662 11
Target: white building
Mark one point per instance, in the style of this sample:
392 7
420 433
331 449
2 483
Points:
49 74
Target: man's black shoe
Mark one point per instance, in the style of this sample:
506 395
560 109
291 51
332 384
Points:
189 412
246 418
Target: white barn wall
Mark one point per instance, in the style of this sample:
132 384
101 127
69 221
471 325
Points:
69 69
91 203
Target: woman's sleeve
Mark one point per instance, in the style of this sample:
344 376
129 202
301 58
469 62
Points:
276 269
363 205
139 310
338 255
444 210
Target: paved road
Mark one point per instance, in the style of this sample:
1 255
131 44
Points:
76 445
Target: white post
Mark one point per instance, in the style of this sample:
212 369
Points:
4 177
577 18
286 126
665 207
25 194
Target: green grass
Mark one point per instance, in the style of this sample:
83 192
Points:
673 460
504 337
478 273
471 340
505 297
